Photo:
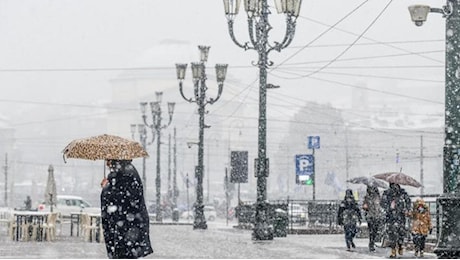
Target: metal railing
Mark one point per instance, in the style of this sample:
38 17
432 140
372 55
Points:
321 215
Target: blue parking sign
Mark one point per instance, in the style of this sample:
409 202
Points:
304 164
313 142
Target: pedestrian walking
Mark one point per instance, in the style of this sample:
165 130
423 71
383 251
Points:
373 213
349 216
421 225
125 219
396 203
28 203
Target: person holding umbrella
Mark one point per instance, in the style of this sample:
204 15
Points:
397 205
125 219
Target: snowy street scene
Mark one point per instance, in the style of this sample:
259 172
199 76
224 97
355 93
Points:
219 241
225 129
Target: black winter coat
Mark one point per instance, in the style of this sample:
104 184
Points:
348 213
396 204
124 215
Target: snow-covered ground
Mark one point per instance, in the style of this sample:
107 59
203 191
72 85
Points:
181 241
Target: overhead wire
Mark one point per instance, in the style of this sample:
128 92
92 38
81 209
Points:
363 58
322 34
290 72
314 40
352 44
389 44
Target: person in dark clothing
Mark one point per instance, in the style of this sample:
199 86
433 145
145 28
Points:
373 213
125 219
397 205
28 203
348 216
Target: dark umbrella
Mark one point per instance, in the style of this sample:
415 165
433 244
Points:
384 175
399 178
369 181
50 190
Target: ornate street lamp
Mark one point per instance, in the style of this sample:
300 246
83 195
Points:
143 138
259 27
155 108
448 245
199 88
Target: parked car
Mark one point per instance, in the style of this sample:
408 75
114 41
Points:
297 213
209 213
67 204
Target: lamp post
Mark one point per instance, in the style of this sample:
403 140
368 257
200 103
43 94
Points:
157 125
143 138
175 192
448 244
199 84
259 27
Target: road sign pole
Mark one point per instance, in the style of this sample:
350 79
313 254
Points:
314 181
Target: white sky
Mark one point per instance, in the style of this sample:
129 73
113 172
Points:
54 35
65 52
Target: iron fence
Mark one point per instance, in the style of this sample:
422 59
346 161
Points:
320 216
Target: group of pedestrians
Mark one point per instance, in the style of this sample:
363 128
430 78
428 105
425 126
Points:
387 212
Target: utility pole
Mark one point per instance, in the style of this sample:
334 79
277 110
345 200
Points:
448 245
226 187
6 179
347 158
207 175
170 191
314 170
175 189
422 191
187 184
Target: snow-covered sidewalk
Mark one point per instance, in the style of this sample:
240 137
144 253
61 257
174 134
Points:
218 241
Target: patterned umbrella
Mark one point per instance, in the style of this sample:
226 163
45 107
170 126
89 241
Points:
103 147
399 178
369 181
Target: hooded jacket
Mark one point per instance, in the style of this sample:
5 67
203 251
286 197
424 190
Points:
421 219
124 215
371 204
348 213
396 203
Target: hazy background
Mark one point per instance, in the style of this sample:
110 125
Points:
61 62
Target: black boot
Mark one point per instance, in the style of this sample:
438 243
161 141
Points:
371 247
348 244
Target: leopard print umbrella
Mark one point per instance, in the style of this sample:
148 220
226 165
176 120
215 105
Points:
103 147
